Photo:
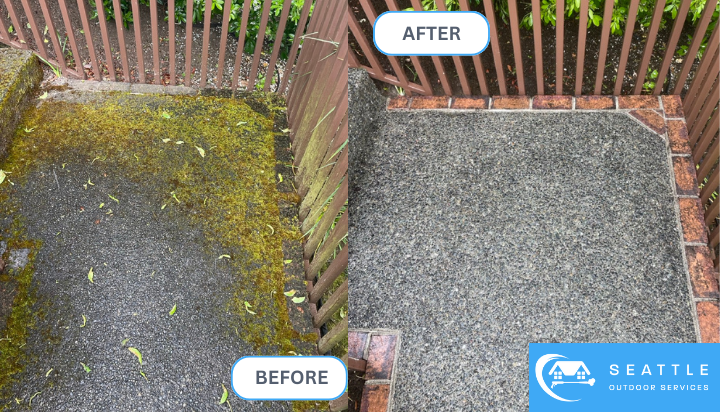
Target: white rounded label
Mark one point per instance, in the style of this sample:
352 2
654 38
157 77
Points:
431 33
289 378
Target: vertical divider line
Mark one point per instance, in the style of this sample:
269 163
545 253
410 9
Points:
627 42
106 40
582 34
649 46
121 40
138 41
517 49
206 44
604 39
88 38
227 7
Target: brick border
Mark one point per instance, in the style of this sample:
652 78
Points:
376 353
663 115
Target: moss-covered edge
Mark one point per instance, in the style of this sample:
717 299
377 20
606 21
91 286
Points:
20 74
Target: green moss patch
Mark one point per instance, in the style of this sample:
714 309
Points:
207 160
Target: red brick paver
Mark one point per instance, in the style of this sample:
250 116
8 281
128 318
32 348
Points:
375 398
638 102
479 102
401 102
552 102
651 119
511 102
678 135
429 102
381 356
357 341
672 105
702 275
685 180
709 320
691 217
594 103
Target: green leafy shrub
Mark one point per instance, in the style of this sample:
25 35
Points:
198 16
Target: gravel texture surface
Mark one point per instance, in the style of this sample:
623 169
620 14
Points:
478 233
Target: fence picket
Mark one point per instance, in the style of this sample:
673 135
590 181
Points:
121 40
649 46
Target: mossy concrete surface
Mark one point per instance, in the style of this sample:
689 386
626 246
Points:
173 202
20 73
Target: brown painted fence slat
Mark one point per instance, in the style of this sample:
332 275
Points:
331 273
582 34
477 63
698 36
121 40
692 110
241 44
276 47
171 41
711 156
138 40
88 39
627 42
497 54
703 67
206 44
559 52
59 56
517 50
259 45
397 67
295 46
71 39
704 133
16 23
106 40
188 43
671 44
155 41
711 186
439 68
537 37
227 7
649 46
40 45
604 39
426 88
464 85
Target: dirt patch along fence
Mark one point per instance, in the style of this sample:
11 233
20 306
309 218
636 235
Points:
650 53
154 43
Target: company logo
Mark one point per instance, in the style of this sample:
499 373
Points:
562 373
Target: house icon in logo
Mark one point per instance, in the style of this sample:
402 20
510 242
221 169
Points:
570 372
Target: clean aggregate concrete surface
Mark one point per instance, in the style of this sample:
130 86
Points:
478 233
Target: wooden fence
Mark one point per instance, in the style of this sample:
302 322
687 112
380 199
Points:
643 60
